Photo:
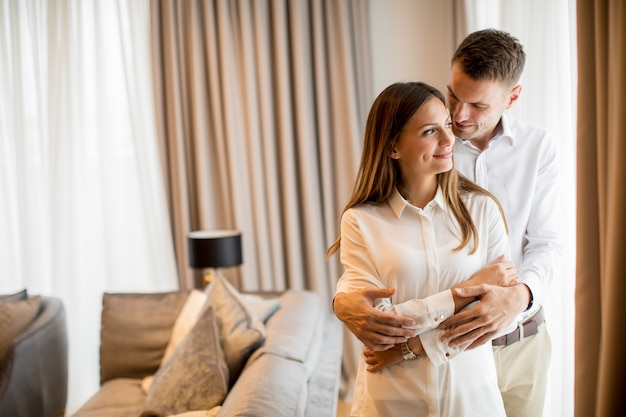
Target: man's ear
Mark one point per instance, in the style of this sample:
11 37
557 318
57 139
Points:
514 95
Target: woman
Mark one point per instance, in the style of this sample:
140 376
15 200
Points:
415 224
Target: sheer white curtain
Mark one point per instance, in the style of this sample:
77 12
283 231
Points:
82 209
547 31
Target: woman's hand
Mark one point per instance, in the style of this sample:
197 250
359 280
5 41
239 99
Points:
378 360
382 359
498 272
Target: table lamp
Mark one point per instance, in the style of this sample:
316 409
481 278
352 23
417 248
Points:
214 249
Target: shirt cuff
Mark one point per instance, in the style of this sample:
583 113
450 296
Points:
437 351
534 284
438 308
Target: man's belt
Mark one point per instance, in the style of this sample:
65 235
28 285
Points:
529 327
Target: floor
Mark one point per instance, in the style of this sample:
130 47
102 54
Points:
343 409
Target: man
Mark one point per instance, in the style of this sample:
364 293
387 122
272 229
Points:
518 164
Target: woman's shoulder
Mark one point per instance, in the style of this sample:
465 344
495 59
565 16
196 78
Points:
475 200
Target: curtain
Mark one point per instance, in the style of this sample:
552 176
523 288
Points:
261 107
547 31
83 208
601 200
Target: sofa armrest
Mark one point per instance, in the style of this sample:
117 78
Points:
136 329
324 383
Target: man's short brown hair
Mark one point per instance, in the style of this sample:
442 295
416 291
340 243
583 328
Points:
491 54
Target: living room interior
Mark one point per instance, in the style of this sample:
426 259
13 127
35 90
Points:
127 125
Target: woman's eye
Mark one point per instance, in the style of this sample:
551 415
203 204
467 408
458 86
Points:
429 131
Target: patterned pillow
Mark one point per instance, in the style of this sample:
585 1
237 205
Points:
241 332
15 316
195 377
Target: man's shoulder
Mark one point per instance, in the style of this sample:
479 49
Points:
524 132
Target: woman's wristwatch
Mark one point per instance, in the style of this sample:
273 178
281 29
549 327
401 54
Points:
407 353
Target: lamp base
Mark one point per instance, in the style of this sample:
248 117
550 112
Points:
209 275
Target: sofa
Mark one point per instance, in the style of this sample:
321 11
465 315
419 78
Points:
240 355
33 356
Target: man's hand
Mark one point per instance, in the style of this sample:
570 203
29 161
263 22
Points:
497 309
377 330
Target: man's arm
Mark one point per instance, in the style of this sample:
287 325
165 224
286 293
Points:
377 330
500 306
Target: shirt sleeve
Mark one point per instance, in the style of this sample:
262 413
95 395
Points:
360 272
542 250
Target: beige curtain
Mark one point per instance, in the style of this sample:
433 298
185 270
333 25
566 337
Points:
261 105
600 374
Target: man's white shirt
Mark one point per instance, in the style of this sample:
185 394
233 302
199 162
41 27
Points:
520 167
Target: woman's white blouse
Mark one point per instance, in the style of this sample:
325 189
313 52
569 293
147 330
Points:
395 244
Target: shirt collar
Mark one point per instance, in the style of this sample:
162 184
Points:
505 131
398 203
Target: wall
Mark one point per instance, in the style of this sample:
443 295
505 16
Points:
412 40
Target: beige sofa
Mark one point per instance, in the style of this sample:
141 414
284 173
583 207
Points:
292 370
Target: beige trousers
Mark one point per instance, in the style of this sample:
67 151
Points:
523 372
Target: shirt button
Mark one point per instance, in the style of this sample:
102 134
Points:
442 317
447 354
436 318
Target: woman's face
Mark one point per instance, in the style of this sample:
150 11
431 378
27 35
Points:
424 147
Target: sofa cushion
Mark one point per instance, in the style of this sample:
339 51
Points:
119 397
241 332
270 386
15 316
195 377
140 325
295 331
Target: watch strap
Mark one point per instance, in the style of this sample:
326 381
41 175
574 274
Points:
407 353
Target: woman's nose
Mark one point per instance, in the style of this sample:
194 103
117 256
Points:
448 138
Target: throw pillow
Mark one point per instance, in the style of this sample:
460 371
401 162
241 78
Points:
262 307
14 319
185 321
195 377
240 331
10 298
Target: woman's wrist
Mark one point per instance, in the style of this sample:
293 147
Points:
415 344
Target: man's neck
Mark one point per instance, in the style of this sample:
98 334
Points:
482 142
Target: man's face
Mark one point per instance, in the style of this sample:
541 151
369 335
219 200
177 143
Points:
476 106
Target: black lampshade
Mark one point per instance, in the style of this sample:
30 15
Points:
214 248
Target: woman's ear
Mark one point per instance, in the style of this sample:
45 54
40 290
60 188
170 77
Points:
394 154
